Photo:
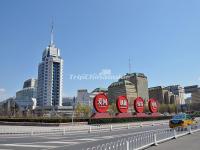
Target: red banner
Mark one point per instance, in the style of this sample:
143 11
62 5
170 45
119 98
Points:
153 106
122 104
139 105
100 103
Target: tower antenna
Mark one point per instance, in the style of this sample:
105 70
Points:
129 64
52 24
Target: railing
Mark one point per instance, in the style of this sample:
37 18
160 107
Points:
143 140
70 130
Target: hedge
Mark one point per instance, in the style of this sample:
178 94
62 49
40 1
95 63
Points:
90 121
43 120
124 120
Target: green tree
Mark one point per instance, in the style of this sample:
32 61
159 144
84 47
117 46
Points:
163 108
112 110
82 110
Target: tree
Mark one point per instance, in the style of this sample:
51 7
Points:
82 110
171 108
112 109
163 108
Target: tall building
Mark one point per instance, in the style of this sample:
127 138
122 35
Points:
141 84
26 98
50 77
83 97
131 85
125 88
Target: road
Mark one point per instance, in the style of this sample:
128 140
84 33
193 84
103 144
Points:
189 142
68 142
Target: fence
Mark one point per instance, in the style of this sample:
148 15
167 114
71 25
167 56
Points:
70 130
145 139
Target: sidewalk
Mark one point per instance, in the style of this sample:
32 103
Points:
189 142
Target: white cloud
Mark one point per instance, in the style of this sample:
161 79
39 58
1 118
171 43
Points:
2 94
2 90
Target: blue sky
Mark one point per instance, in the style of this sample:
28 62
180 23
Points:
161 37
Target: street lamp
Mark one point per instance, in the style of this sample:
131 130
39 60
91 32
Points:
74 106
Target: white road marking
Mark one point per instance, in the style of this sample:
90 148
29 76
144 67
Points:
88 139
61 142
107 137
24 145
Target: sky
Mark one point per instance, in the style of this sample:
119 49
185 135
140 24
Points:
160 37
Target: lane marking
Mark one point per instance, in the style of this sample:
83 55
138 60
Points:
62 142
107 137
24 145
88 139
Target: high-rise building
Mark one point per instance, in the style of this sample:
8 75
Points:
26 98
50 77
83 97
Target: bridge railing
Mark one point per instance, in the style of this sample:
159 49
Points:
145 139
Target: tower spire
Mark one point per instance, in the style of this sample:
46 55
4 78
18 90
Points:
52 24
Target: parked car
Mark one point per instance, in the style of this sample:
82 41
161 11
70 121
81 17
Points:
181 120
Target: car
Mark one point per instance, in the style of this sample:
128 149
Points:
166 114
182 120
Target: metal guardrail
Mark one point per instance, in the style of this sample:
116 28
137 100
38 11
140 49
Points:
27 131
143 140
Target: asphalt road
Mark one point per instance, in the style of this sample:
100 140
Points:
189 142
68 142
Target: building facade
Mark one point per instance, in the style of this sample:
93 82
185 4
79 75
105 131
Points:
191 89
26 98
195 101
196 96
141 84
122 87
178 90
68 101
163 95
131 85
50 77
83 97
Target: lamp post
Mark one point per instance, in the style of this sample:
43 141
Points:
74 101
